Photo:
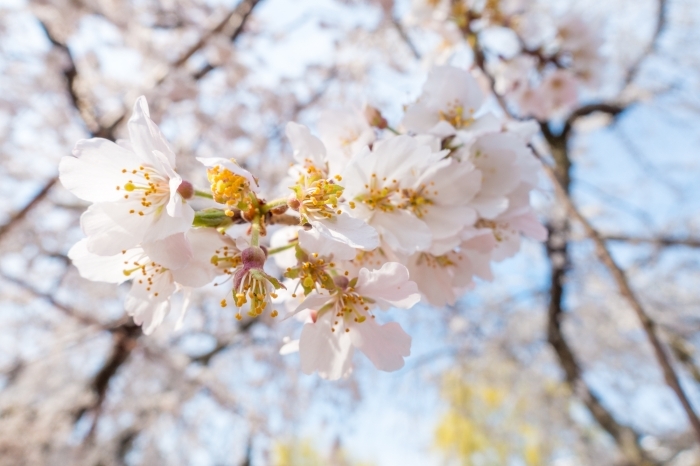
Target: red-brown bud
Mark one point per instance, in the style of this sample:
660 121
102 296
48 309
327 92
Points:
186 190
375 118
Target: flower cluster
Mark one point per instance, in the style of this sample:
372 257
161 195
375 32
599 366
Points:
540 59
373 218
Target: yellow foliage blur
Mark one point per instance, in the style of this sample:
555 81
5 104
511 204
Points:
487 423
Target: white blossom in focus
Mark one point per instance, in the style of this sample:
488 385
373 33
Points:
319 198
152 284
343 320
134 188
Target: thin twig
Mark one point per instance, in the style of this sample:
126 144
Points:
404 36
662 17
656 241
20 214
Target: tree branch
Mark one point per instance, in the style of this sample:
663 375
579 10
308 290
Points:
29 206
236 22
648 324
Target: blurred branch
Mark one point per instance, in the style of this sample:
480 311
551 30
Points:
557 250
52 301
404 36
20 214
124 340
648 324
684 352
661 19
225 343
660 241
558 253
610 108
236 22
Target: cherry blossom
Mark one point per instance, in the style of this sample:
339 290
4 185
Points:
318 199
343 321
137 195
148 301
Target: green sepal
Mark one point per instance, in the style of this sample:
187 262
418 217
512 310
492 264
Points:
212 218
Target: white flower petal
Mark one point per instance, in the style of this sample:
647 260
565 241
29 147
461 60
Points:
346 229
323 351
385 345
402 231
146 137
308 149
96 170
313 241
101 268
290 347
172 252
388 286
146 313
110 229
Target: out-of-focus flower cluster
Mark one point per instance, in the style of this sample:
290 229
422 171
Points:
375 218
541 60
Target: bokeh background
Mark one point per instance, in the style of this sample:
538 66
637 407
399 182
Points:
546 365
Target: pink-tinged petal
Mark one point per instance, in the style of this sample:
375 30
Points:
530 226
313 241
308 149
433 280
448 221
108 269
508 246
172 252
110 229
385 345
446 90
480 240
323 351
419 118
96 170
146 137
456 183
490 207
402 231
389 286
349 230
480 265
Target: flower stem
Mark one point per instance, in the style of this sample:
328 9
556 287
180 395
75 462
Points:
393 130
281 248
272 204
205 194
255 231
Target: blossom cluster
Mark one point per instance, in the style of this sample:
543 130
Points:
541 60
374 218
